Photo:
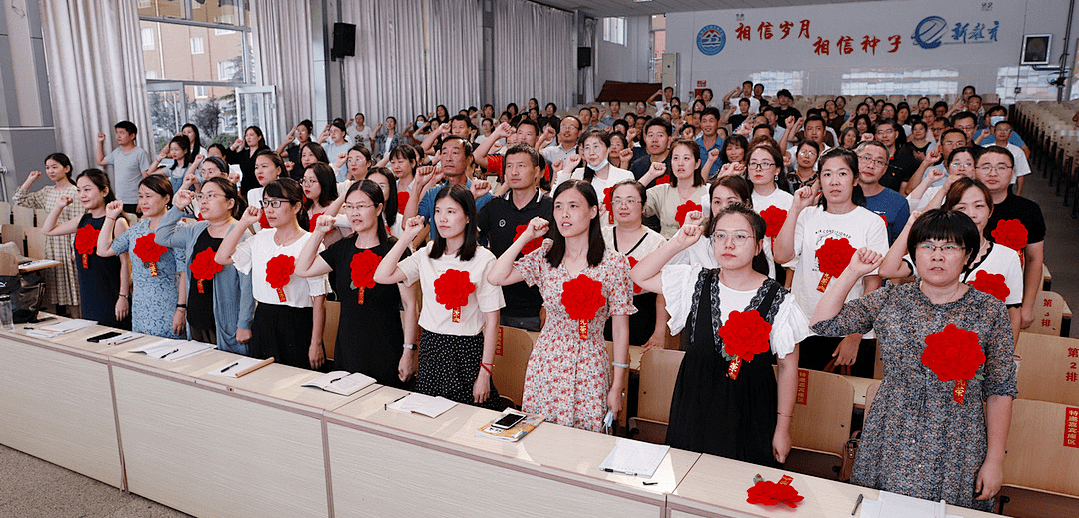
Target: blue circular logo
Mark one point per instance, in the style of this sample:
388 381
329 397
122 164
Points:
929 32
711 40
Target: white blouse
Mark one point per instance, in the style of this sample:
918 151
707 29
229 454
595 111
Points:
251 257
434 316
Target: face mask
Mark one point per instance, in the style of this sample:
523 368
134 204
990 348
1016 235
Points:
995 119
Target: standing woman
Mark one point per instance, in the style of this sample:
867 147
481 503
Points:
158 302
735 151
849 138
597 170
320 197
391 213
104 282
403 163
629 237
243 153
177 150
569 376
685 192
805 158
726 400
459 316
371 336
614 152
219 301
62 281
932 330
268 168
357 161
770 197
298 137
724 191
818 241
290 315
194 142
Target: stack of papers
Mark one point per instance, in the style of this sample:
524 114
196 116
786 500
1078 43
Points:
341 382
640 459
55 330
173 350
422 404
117 340
892 505
241 366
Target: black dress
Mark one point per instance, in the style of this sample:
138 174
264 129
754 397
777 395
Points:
711 413
369 336
200 305
99 283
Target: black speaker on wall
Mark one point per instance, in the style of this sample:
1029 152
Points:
344 40
584 57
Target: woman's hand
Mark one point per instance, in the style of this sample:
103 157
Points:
316 355
690 232
481 389
122 308
479 188
781 445
250 216
656 341
536 228
990 477
406 368
324 223
243 336
935 174
113 209
63 201
804 197
932 156
614 399
183 199
847 351
863 262
31 178
412 228
179 322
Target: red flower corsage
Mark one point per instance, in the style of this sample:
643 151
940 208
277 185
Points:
363 267
774 218
684 209
954 354
663 178
991 283
313 222
582 297
744 334
452 290
531 245
766 492
204 267
833 257
607 205
633 262
1012 234
279 270
149 252
402 200
85 243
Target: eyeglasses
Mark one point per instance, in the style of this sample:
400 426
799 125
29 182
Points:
357 206
961 164
807 152
1000 169
948 249
761 165
208 196
273 203
620 201
871 160
309 181
885 131
739 238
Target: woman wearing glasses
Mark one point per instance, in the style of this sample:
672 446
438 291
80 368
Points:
816 239
686 191
805 165
629 237
770 196
727 401
371 331
289 317
960 164
320 197
219 301
925 437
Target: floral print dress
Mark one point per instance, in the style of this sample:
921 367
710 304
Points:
917 440
568 378
153 297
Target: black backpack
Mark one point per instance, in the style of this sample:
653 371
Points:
27 292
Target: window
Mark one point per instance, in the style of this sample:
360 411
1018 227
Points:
614 30
151 74
226 71
200 92
198 45
148 38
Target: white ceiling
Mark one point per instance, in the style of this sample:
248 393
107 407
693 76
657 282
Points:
599 8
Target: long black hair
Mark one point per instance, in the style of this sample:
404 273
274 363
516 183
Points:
391 200
374 192
239 205
317 150
596 247
851 159
101 181
327 183
289 190
463 197
195 145
64 162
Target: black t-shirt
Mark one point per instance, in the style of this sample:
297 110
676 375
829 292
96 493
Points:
200 306
783 113
737 120
901 167
498 221
640 167
1026 211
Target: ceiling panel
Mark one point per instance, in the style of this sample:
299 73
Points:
599 8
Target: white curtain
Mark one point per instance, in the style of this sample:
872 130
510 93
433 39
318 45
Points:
96 77
412 55
535 54
284 48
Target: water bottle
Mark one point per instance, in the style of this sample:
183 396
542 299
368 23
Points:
6 318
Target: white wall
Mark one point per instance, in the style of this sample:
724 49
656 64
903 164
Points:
627 62
792 63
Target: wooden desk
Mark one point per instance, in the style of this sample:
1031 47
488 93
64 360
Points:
251 446
717 487
56 404
383 460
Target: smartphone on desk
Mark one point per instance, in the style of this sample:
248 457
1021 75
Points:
103 336
508 421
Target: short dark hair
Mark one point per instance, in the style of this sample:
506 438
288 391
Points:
949 131
127 126
522 148
973 96
763 127
659 121
713 111
785 93
964 115
999 150
459 117
944 225
960 187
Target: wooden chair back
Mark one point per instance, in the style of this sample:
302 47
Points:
35 243
822 412
1042 452
39 217
512 352
1050 311
22 216
13 234
659 372
329 331
1048 368
5 212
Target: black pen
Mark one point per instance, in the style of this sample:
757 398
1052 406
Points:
168 353
229 367
857 503
386 406
342 377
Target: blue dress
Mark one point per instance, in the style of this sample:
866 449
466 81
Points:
153 298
